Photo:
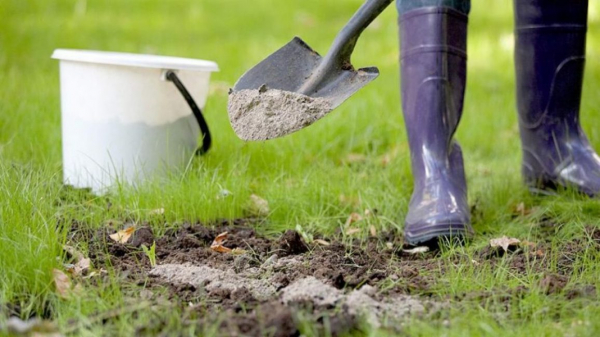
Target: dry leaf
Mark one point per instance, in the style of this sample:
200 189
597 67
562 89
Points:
217 244
95 273
77 255
355 158
220 239
389 156
322 242
79 268
158 211
504 242
354 217
522 210
539 253
349 201
416 250
82 264
123 236
62 283
529 244
220 249
112 223
259 206
373 231
238 251
33 327
351 231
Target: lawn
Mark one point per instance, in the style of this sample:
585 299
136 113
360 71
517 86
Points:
355 159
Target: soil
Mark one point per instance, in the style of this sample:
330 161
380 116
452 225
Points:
269 113
267 284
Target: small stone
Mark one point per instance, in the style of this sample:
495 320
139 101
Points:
241 262
270 261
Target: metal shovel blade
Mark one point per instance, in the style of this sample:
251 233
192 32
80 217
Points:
289 67
294 87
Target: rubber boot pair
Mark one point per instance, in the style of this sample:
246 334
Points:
549 57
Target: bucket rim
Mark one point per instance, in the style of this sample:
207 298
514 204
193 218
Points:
134 60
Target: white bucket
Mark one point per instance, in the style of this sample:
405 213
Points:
122 120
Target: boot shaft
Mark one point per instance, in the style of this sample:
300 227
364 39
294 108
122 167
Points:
549 60
433 71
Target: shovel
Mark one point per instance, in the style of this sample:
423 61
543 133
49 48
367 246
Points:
275 90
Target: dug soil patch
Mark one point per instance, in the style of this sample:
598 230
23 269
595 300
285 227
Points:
281 286
271 285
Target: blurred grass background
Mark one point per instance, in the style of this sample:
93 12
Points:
354 159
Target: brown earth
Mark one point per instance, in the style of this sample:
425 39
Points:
268 284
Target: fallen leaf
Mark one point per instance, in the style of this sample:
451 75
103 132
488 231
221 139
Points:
112 223
77 255
416 250
123 236
373 231
539 253
220 249
33 327
529 244
349 201
259 206
322 242
388 157
504 242
81 265
355 158
158 211
220 239
95 273
351 231
238 251
522 210
217 244
354 217
63 284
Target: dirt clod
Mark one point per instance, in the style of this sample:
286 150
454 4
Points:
142 236
552 283
291 243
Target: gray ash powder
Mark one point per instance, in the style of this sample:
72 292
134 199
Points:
264 114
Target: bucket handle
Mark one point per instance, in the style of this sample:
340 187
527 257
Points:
206 139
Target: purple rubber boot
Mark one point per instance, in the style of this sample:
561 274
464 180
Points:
549 62
433 70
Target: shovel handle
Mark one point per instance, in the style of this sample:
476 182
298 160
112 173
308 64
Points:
342 47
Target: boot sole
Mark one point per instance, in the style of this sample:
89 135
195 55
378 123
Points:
434 234
548 187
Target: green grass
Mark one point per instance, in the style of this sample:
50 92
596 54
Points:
305 177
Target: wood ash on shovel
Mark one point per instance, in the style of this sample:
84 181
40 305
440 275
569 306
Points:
269 113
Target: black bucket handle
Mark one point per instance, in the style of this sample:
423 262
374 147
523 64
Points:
206 139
